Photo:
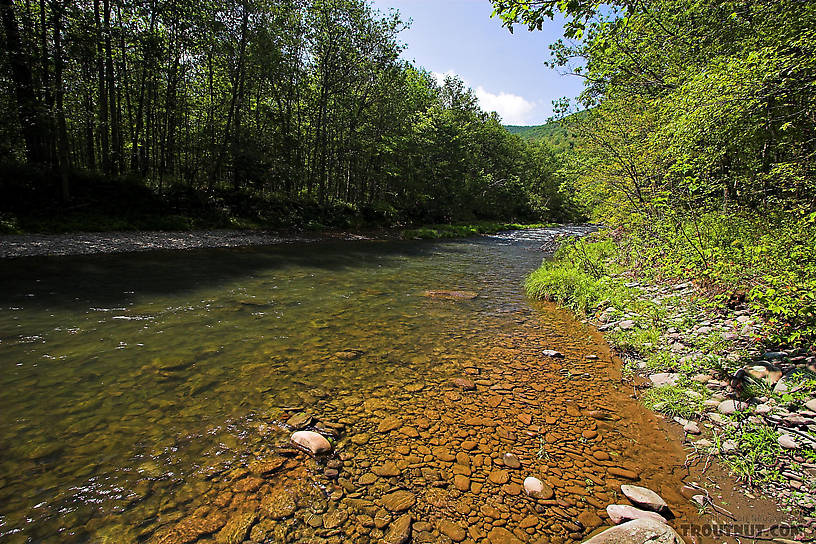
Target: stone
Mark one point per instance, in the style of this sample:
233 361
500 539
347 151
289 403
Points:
638 531
791 378
620 513
498 477
400 530
537 489
386 470
552 353
760 371
730 406
788 442
452 530
500 535
300 420
361 439
729 446
465 384
313 442
461 482
623 473
511 461
662 379
335 518
389 424
398 501
278 504
644 497
811 405
626 325
590 520
236 529
691 428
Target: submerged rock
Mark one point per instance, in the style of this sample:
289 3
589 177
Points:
552 353
638 531
236 529
466 384
450 295
314 442
537 489
398 501
400 531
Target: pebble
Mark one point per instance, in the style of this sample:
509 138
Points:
537 489
511 461
730 406
788 442
552 353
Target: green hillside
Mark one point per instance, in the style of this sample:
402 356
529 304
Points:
553 133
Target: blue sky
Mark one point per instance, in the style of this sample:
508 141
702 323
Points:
506 71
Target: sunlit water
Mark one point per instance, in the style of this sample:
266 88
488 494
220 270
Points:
124 380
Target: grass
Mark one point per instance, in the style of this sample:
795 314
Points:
673 400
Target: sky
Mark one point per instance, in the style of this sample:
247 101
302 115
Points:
506 71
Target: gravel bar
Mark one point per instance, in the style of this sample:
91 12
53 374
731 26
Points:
87 243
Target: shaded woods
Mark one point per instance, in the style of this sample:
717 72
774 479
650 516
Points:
262 109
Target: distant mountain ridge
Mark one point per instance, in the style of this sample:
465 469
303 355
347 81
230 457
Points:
551 133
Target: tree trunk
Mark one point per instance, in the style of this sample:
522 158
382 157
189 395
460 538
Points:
29 109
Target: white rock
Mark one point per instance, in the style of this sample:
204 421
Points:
638 531
535 487
788 442
811 405
664 378
691 428
644 497
552 353
730 406
312 441
619 513
763 409
730 446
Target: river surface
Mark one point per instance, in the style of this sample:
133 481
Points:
150 398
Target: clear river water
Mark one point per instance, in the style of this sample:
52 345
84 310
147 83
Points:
149 397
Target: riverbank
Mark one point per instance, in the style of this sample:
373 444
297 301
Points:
88 243
704 361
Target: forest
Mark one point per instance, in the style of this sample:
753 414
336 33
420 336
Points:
274 112
696 142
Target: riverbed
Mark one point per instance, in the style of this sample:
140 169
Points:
151 396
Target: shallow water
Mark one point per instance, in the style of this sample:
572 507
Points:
137 391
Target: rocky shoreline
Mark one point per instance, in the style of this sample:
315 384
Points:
703 367
89 243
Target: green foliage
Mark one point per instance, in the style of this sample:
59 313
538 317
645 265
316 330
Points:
673 401
241 106
755 461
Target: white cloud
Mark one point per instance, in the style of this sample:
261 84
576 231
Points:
513 109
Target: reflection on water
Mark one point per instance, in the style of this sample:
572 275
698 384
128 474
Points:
132 387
